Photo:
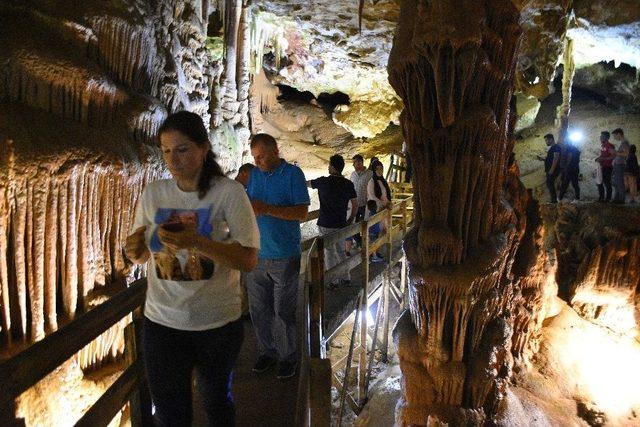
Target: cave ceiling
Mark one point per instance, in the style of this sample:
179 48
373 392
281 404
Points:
327 53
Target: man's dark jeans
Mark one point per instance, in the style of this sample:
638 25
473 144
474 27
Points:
359 217
551 185
606 184
570 176
170 356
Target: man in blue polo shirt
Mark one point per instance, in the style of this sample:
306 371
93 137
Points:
278 193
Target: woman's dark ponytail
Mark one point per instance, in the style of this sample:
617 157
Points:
210 168
191 125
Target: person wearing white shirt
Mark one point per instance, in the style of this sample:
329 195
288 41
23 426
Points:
198 231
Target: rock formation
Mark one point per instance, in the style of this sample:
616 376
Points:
81 97
466 309
600 267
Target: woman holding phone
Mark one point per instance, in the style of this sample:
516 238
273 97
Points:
198 231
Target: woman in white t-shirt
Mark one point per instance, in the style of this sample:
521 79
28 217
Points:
198 231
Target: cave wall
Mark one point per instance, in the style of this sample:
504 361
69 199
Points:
81 97
598 251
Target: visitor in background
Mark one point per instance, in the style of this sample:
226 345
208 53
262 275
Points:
372 163
571 172
244 173
551 165
278 193
243 178
632 173
619 164
360 178
605 159
192 324
378 189
374 230
335 192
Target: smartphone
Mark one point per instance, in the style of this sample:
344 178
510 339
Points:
174 227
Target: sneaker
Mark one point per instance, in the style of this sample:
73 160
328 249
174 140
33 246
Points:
264 362
286 369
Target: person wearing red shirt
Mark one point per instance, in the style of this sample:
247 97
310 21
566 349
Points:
607 154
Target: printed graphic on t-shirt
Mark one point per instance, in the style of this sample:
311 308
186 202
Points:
183 265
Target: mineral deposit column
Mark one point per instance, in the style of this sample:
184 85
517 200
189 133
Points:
453 64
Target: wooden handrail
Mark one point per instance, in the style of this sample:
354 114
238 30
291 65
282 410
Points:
316 393
102 412
28 367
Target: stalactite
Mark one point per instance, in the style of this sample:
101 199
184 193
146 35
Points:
66 207
564 109
265 32
50 256
244 48
36 282
19 222
63 228
62 88
4 268
70 286
127 51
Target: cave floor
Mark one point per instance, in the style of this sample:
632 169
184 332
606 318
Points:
261 399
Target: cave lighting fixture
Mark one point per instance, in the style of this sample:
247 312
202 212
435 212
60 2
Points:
576 136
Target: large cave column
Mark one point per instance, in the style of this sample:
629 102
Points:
453 65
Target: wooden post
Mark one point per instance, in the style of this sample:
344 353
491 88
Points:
362 362
319 393
386 286
140 401
316 300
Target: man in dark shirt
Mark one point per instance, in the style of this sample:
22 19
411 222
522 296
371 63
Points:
607 154
571 172
551 163
335 192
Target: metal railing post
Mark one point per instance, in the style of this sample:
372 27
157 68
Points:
362 363
386 286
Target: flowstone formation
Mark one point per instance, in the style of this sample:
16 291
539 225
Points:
453 66
598 250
